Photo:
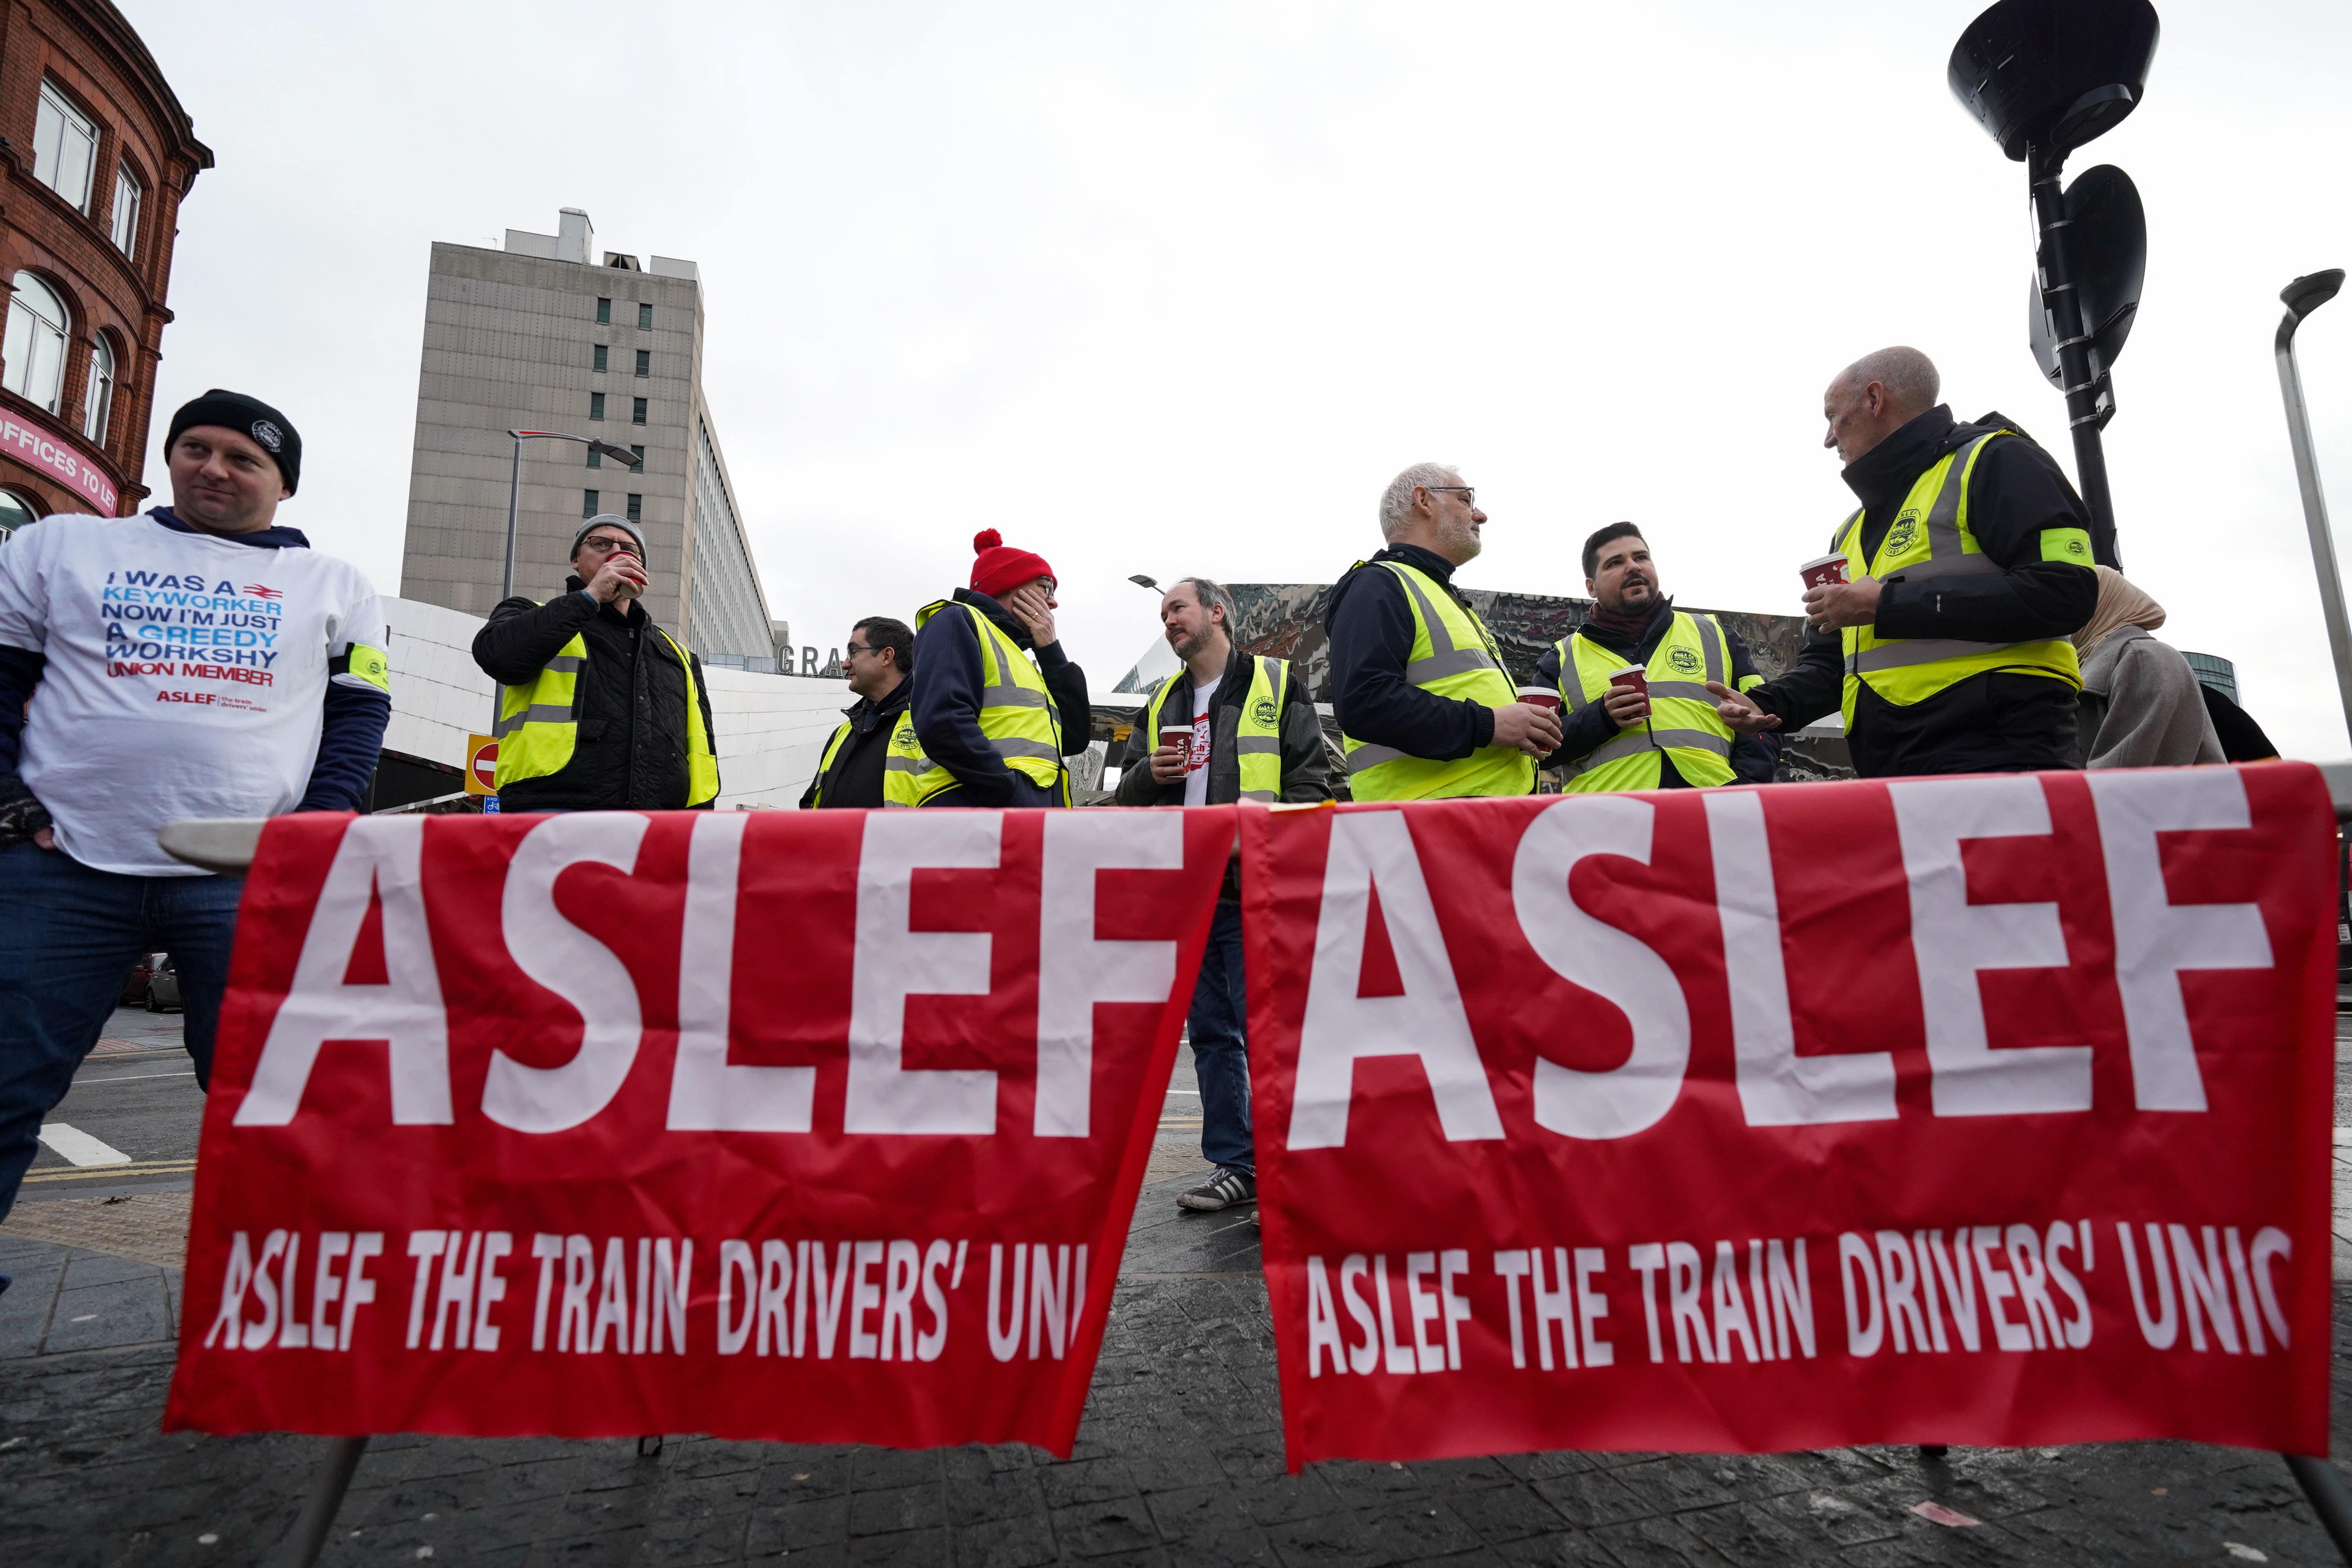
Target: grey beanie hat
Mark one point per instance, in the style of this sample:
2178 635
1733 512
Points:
609 519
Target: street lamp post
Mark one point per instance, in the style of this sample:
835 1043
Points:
2301 297
514 485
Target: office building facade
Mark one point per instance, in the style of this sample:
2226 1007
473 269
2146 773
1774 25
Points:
549 333
95 155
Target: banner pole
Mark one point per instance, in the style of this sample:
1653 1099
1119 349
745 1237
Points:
2331 1498
318 1517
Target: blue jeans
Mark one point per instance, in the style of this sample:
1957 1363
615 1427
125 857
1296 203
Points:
1220 1047
69 937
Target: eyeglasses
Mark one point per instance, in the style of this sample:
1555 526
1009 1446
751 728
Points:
1469 493
851 650
603 545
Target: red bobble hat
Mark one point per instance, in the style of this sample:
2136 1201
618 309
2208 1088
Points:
999 568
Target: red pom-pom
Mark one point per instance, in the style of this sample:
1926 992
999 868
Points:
986 538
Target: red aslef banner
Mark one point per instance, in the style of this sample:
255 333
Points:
816 1127
1983 1110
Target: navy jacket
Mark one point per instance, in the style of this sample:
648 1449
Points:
947 683
1998 721
1587 729
1370 624
350 733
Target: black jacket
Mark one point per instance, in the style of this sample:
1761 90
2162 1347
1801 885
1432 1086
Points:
1993 722
855 777
1370 625
631 750
947 683
1305 767
1588 729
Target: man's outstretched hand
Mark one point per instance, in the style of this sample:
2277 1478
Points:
1741 713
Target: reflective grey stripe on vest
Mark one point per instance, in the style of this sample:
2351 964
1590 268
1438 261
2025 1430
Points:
1012 697
1452 661
1959 565
907 764
1364 757
1909 651
1688 691
1710 639
1009 747
1944 517
1633 742
537 714
567 664
1265 795
1264 745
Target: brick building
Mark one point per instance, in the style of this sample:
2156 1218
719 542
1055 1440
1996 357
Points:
95 155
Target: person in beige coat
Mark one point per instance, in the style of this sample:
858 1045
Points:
2141 704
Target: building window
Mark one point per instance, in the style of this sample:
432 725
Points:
595 405
65 147
636 506
99 401
645 362
645 318
13 514
588 500
603 312
595 458
126 209
598 366
638 414
35 348
640 452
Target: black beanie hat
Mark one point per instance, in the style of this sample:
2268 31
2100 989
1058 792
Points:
235 411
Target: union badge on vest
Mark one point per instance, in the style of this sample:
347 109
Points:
1905 533
1263 711
1684 660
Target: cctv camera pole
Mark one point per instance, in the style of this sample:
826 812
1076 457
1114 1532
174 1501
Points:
2302 297
2059 299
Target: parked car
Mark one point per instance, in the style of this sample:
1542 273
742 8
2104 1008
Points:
164 985
134 990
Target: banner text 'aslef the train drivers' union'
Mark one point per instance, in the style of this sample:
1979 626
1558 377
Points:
1989 1110
815 1127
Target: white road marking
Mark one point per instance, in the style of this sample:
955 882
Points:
79 1147
131 1078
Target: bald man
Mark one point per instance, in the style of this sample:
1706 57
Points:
1969 564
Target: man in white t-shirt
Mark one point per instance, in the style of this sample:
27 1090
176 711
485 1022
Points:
1226 727
194 661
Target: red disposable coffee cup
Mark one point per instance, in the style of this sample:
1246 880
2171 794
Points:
1631 675
1826 570
627 589
1540 697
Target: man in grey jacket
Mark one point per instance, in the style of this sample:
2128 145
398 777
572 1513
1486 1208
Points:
1227 726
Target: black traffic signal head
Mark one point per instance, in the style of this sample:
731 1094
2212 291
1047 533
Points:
2053 73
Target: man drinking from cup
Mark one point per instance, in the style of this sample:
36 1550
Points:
1943 638
599 709
1632 681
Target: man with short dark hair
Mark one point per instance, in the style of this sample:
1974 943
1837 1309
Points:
200 661
1662 731
1227 726
1969 567
868 741
602 710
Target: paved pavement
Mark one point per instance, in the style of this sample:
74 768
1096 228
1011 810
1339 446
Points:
1178 1461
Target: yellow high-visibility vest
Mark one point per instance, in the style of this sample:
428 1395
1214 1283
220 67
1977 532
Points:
1453 656
1257 740
538 726
1017 717
1683 724
1930 538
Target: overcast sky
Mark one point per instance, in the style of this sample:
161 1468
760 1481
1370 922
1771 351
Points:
1177 289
